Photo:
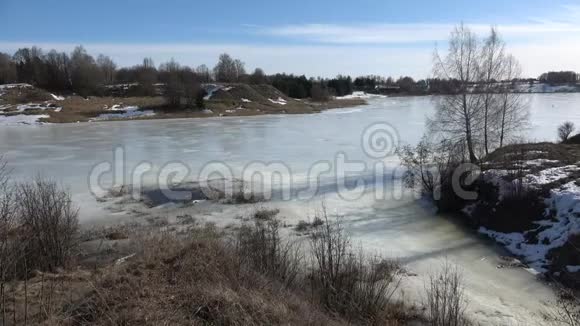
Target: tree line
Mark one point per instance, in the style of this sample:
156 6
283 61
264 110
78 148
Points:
560 77
81 73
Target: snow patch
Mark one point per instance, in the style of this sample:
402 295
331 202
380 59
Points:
360 95
118 107
540 161
505 188
58 98
12 86
564 202
129 112
280 101
123 86
36 106
546 88
21 119
239 108
245 100
551 175
210 89
573 269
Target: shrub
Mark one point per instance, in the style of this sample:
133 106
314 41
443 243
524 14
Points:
7 222
445 298
240 194
565 311
565 130
265 214
346 281
431 169
304 226
48 225
261 247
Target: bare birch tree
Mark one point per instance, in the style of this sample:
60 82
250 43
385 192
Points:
484 110
512 114
493 58
458 115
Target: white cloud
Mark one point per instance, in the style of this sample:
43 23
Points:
566 22
407 33
382 49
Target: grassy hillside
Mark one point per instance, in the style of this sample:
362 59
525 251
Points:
27 103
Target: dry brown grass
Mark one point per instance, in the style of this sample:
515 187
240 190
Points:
48 226
200 277
24 95
196 280
505 157
348 282
79 109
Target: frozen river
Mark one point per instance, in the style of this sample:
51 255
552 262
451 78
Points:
393 224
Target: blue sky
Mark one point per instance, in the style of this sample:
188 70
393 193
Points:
313 37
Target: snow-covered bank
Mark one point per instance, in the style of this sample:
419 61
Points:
280 101
22 119
129 112
551 231
15 86
360 95
546 88
38 106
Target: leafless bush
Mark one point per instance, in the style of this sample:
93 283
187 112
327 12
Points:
7 228
239 194
304 226
516 173
430 166
565 311
347 281
266 214
565 130
48 225
7 221
260 246
445 298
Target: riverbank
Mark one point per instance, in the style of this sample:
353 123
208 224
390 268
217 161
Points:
392 229
188 269
24 104
529 201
